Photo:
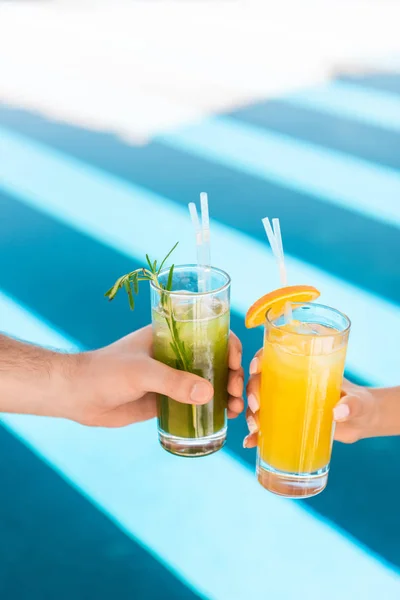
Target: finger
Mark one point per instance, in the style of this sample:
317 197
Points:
133 412
346 433
236 383
255 365
348 408
348 388
179 385
232 415
235 406
250 441
252 420
253 392
253 424
235 352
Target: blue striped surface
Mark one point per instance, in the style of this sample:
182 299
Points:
72 207
381 109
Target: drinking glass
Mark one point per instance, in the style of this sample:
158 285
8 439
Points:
301 377
191 332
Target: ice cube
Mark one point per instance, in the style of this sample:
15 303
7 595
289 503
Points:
182 307
299 327
210 307
189 307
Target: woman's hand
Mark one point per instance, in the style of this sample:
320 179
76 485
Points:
358 414
253 395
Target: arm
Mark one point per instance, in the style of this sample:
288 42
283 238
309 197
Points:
389 400
35 380
110 387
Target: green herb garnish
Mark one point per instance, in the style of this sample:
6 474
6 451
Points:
130 282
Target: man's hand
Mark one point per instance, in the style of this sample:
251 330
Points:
110 387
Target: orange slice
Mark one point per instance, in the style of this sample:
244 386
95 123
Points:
277 299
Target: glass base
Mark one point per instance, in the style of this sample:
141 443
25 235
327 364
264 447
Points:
192 447
292 485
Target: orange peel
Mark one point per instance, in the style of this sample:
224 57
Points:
276 300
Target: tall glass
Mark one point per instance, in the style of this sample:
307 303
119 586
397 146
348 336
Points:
301 377
200 328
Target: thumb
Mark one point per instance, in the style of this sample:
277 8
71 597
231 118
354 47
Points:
349 407
179 385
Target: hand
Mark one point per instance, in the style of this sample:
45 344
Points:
356 415
117 385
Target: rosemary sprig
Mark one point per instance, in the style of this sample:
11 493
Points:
130 282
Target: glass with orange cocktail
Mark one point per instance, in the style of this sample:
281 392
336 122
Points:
301 377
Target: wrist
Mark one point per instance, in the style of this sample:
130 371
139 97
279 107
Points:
64 392
39 382
387 402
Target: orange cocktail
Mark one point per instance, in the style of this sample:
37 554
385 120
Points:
302 371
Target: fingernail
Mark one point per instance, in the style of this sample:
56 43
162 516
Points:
200 392
252 425
253 403
254 366
341 412
245 441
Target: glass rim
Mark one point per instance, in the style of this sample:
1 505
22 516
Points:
222 288
268 321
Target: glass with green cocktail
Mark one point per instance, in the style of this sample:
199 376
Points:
190 332
190 315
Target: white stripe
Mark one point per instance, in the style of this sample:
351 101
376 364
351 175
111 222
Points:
330 176
135 221
206 519
367 105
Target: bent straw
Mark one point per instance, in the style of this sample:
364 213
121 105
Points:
275 239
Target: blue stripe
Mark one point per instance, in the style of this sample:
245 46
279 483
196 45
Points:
339 98
385 82
313 230
126 473
323 128
330 176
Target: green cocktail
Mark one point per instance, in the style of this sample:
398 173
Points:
198 322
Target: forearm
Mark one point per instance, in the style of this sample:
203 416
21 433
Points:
388 401
34 380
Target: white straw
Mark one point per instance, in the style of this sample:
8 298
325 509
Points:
199 244
205 224
271 238
275 239
205 218
278 238
196 223
276 227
